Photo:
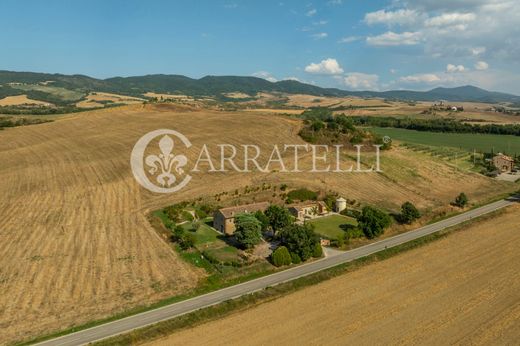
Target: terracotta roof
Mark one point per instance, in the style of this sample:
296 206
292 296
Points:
505 157
299 206
302 205
247 208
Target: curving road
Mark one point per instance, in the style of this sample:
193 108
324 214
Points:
167 312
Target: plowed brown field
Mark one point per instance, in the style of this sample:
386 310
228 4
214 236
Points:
75 241
462 289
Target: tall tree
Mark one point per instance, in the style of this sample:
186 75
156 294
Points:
373 222
248 231
279 217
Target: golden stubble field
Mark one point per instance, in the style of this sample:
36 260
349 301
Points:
76 244
462 289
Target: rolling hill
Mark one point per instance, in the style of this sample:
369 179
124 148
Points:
11 84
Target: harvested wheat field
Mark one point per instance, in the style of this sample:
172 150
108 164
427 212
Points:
76 243
462 289
97 99
21 100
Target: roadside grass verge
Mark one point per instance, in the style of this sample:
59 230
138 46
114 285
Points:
271 293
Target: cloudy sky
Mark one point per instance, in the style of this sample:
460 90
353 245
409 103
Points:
356 45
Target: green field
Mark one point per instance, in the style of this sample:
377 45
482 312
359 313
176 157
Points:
465 141
332 226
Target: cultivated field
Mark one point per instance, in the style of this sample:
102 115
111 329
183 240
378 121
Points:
21 100
466 141
99 99
462 289
76 244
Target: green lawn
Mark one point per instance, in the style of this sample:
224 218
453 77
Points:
206 234
466 141
332 226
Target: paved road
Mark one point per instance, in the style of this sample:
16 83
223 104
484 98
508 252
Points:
167 312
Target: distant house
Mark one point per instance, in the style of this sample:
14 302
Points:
503 162
224 219
308 210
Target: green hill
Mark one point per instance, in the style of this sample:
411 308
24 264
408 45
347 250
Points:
17 83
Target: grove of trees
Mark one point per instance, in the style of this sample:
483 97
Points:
373 222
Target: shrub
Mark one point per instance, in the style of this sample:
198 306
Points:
340 241
351 213
295 258
281 257
318 251
462 200
201 214
302 195
187 241
330 201
187 216
409 213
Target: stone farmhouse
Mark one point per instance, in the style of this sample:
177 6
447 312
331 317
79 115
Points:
503 162
308 210
224 219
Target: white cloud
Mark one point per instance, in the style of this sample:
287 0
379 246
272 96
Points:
481 65
327 66
428 78
361 81
448 19
311 12
350 39
265 75
395 39
478 50
319 35
455 68
335 2
399 17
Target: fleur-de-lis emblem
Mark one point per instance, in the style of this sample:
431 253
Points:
165 162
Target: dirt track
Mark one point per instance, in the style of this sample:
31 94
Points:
76 245
463 289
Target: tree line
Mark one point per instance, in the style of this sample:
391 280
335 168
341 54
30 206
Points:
437 125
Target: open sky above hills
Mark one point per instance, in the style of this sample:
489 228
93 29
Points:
354 45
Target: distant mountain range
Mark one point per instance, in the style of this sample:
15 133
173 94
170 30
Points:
218 85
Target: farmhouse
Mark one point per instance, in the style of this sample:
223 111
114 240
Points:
224 219
503 162
308 210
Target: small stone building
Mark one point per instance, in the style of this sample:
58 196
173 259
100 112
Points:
503 163
341 204
224 219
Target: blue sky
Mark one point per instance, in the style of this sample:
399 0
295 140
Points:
356 45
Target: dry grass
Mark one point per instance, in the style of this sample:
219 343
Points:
237 95
462 289
93 100
169 96
21 100
76 245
